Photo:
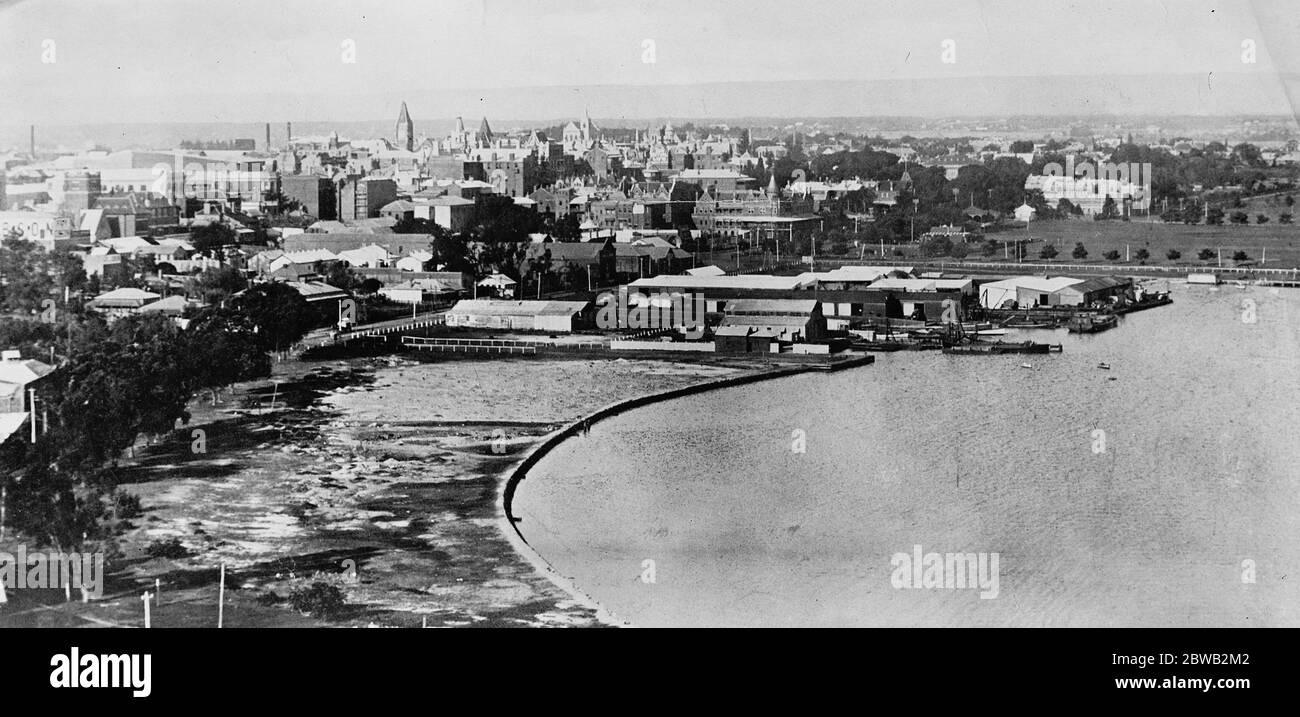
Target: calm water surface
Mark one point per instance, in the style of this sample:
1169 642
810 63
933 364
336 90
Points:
1199 472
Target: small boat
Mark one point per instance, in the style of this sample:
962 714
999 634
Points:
1025 365
1092 324
991 332
1105 366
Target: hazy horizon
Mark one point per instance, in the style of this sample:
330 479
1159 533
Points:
241 61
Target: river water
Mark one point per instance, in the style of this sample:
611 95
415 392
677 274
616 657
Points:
1162 492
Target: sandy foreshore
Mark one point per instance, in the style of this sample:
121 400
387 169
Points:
380 476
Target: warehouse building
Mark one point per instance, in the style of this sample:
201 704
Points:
761 325
1025 291
547 316
1097 290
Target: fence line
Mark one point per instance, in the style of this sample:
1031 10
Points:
423 341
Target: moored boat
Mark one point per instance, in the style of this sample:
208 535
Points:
1092 324
996 348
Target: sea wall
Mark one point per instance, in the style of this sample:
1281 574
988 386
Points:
520 471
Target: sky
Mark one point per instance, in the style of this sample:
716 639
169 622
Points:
242 60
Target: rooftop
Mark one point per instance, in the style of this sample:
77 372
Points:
742 281
495 307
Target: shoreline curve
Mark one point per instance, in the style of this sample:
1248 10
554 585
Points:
519 471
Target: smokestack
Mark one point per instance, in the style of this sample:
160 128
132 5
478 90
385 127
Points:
288 131
33 140
268 137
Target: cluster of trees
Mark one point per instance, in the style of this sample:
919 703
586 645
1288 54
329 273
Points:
496 242
211 240
122 381
29 276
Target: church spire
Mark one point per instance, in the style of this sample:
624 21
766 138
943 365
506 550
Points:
405 134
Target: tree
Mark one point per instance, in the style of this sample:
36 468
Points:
279 314
221 348
210 240
1112 255
1080 252
30 276
1142 255
1285 218
450 252
133 379
1048 252
216 284
1240 256
340 275
1239 218
568 228
1174 255
1261 219
413 225
959 250
1248 154
1206 254
936 246
1214 216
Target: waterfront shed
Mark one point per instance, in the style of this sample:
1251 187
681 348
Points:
548 316
1098 289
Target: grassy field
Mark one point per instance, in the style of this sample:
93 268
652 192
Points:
1281 241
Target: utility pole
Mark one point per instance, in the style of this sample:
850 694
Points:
31 405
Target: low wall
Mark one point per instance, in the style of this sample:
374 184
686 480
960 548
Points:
810 348
546 446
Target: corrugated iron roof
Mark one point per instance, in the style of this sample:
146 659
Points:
496 307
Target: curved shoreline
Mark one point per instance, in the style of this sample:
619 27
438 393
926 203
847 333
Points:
519 471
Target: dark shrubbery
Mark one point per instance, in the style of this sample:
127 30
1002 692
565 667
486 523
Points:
171 549
318 600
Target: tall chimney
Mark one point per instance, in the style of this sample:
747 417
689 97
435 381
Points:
288 132
268 137
33 140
